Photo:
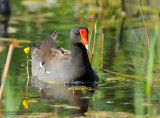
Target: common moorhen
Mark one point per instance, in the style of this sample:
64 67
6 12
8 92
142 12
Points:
53 63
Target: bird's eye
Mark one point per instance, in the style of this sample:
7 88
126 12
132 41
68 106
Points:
77 33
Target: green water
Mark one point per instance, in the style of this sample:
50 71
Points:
120 92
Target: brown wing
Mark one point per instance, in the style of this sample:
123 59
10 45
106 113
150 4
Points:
61 54
54 34
47 45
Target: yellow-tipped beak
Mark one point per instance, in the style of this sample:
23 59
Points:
86 46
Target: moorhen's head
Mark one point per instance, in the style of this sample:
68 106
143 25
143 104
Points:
79 35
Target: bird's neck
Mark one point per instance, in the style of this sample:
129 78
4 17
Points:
79 55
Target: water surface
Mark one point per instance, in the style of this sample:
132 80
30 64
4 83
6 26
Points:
119 93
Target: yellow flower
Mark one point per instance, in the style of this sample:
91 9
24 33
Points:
26 50
25 103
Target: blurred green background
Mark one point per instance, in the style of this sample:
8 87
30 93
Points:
128 66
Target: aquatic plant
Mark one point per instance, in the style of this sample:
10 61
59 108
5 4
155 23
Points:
26 50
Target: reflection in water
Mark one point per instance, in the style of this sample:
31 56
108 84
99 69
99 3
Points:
120 36
5 11
38 3
77 96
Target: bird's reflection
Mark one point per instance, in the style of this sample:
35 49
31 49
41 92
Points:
78 97
5 11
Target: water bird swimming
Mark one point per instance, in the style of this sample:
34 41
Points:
53 63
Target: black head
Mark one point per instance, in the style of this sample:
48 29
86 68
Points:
79 34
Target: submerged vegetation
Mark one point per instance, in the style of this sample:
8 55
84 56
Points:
124 50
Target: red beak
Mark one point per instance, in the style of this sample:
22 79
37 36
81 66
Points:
83 33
